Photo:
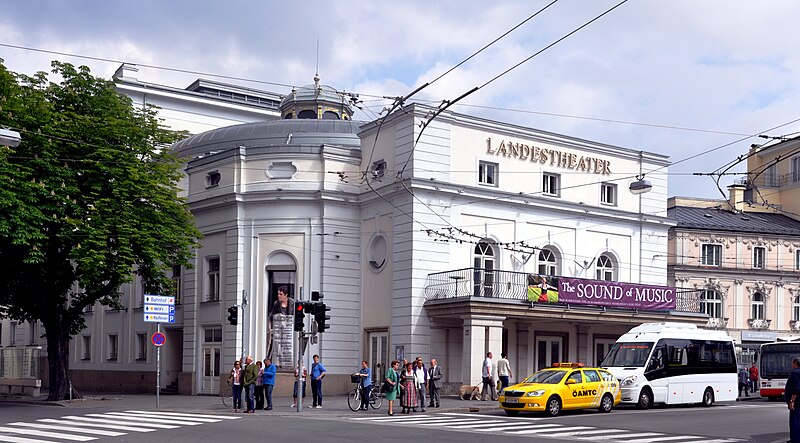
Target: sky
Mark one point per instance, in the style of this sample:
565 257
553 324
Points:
676 77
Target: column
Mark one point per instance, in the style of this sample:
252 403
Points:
481 335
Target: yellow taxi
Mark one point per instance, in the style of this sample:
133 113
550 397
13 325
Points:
562 386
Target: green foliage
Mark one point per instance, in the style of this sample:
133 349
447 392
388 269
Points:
87 200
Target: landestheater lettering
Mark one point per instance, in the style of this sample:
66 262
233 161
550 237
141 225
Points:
552 157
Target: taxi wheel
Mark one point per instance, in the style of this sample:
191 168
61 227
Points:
553 406
607 403
645 399
512 413
708 397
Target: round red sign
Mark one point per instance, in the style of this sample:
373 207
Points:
158 339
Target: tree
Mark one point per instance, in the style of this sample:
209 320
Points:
87 200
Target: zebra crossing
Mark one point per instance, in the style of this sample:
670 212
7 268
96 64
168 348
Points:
94 426
535 427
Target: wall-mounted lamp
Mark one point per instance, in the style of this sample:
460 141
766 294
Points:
640 186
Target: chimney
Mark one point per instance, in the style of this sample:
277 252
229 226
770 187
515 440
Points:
736 193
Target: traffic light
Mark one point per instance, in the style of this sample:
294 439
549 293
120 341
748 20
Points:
321 316
233 315
299 315
316 296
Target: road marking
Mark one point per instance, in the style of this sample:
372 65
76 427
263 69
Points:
417 419
95 425
12 439
100 418
57 435
518 426
181 414
614 437
167 418
482 423
539 431
148 420
451 422
68 428
590 432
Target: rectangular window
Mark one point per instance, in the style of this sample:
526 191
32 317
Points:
32 333
711 255
213 336
758 258
797 260
551 184
176 283
608 194
378 169
87 347
12 331
112 347
212 292
771 176
141 346
796 169
487 173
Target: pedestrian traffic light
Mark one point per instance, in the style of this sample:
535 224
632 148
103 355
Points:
299 315
321 316
233 315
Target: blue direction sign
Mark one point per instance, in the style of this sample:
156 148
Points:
159 308
158 339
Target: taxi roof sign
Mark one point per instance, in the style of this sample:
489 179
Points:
567 365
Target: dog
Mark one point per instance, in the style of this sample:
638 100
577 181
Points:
468 392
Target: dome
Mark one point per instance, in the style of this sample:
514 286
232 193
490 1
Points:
272 133
316 101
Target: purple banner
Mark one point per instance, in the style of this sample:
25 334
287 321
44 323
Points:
615 294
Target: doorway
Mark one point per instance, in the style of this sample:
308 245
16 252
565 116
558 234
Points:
601 348
549 350
378 355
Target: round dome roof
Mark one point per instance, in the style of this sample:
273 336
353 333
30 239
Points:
313 93
272 133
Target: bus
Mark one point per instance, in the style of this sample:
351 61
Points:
673 363
775 366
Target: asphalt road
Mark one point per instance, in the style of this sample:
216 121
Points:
131 421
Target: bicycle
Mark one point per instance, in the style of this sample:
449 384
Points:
227 395
354 397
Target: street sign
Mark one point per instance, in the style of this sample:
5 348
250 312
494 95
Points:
159 308
159 318
158 339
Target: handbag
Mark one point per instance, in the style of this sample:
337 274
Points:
386 387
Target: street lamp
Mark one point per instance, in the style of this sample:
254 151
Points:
9 137
640 186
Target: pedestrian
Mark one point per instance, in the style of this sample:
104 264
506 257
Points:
235 379
366 384
792 398
488 378
753 377
421 379
317 374
301 370
503 370
269 381
391 383
435 382
408 389
249 376
744 382
260 387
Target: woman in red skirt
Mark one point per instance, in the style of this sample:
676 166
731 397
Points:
408 396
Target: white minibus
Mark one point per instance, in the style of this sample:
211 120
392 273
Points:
673 363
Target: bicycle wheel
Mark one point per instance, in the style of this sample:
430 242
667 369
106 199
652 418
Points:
227 397
354 399
375 398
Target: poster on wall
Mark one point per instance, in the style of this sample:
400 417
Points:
613 294
283 340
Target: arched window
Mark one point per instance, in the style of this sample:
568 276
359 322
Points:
711 303
548 262
796 308
330 115
757 311
483 270
605 268
307 114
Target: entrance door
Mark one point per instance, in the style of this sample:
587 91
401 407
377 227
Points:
211 362
601 348
378 356
549 350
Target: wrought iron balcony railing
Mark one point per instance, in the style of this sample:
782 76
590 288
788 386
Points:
509 285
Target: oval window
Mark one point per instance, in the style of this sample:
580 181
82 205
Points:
378 252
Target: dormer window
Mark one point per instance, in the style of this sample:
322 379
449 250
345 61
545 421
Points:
212 179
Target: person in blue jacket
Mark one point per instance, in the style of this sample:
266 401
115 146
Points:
317 373
792 398
366 384
268 381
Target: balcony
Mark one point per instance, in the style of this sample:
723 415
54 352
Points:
717 323
794 325
778 181
758 323
473 284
